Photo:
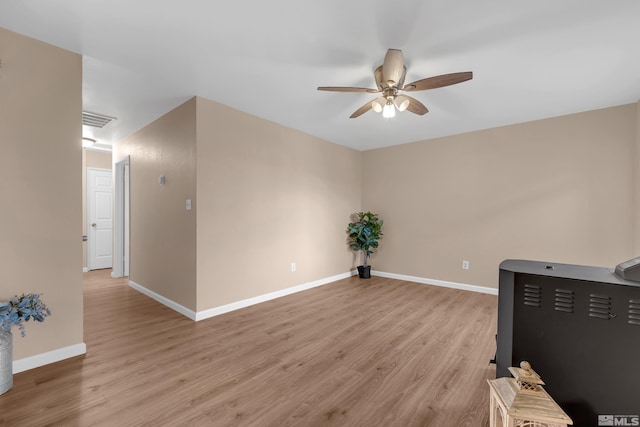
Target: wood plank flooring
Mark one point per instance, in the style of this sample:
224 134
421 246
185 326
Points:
376 352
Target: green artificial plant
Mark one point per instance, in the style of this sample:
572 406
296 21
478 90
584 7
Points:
365 233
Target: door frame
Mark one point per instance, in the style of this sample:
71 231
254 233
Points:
88 214
121 192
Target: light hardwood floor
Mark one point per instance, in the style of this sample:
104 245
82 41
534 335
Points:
376 352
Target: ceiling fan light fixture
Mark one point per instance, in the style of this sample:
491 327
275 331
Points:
87 142
389 110
389 78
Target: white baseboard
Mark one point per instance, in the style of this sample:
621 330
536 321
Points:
85 269
462 286
52 356
164 300
216 311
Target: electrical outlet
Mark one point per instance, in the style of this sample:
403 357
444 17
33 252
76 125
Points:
293 267
465 265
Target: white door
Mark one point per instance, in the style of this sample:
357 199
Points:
99 218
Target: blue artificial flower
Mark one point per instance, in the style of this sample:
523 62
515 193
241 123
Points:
21 309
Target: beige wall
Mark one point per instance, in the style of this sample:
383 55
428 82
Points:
636 245
90 159
268 196
558 190
163 233
40 167
97 159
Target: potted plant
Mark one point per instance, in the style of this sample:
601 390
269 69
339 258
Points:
15 312
363 237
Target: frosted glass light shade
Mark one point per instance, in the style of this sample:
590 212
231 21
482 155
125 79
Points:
378 105
402 102
389 110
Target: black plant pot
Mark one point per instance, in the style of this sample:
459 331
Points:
364 271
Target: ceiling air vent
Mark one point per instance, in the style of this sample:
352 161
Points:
96 120
600 307
532 295
564 300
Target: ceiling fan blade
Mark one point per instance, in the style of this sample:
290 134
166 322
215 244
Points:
439 81
416 106
393 67
347 89
360 111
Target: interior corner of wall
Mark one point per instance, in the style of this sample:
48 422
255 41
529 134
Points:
636 186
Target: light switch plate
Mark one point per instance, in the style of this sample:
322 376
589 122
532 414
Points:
187 205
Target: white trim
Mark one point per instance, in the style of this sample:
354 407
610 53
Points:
462 286
119 217
85 269
164 300
216 311
52 356
211 312
127 219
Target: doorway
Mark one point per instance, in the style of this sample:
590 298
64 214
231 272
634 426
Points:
121 219
99 219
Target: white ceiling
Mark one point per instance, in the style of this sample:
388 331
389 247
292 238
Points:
530 60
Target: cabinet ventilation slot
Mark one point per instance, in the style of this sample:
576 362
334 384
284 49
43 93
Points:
600 307
634 312
564 300
532 295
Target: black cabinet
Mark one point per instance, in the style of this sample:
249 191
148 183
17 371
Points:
579 327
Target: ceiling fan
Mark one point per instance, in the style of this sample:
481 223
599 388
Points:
390 80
